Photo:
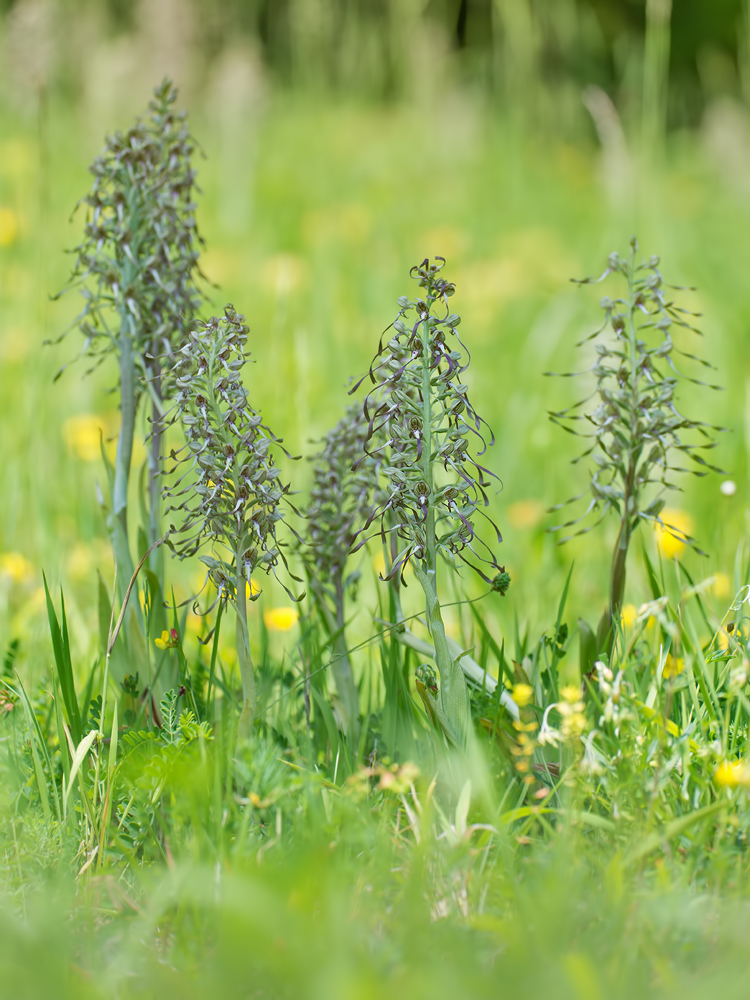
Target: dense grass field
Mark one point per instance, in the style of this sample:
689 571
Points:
337 206
313 859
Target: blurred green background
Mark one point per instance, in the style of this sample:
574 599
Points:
344 141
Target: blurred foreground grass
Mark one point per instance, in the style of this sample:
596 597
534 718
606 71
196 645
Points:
350 909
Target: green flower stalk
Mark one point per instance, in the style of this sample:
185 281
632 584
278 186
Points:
229 491
420 424
137 268
342 498
635 428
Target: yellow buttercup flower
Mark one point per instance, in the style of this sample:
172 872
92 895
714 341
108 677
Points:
522 694
378 563
280 619
193 624
83 435
732 774
16 567
628 614
8 227
721 585
670 535
673 665
251 590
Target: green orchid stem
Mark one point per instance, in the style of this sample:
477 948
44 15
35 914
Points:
124 456
453 698
156 562
340 663
453 701
618 572
118 521
249 696
342 668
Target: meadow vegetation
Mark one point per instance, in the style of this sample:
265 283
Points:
300 694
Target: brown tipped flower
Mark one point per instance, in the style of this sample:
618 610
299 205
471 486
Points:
230 491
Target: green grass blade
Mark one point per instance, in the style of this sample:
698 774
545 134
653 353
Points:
63 664
671 830
78 757
37 742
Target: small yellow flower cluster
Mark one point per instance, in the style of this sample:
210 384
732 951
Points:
523 694
252 590
169 639
83 435
396 778
732 774
673 665
8 227
628 615
671 533
526 727
631 615
571 709
280 619
257 802
721 585
16 567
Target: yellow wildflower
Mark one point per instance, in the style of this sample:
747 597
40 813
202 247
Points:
573 722
732 774
229 655
8 227
280 619
522 694
628 615
378 563
671 533
17 157
80 561
570 694
194 624
169 639
673 665
16 567
83 435
721 585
